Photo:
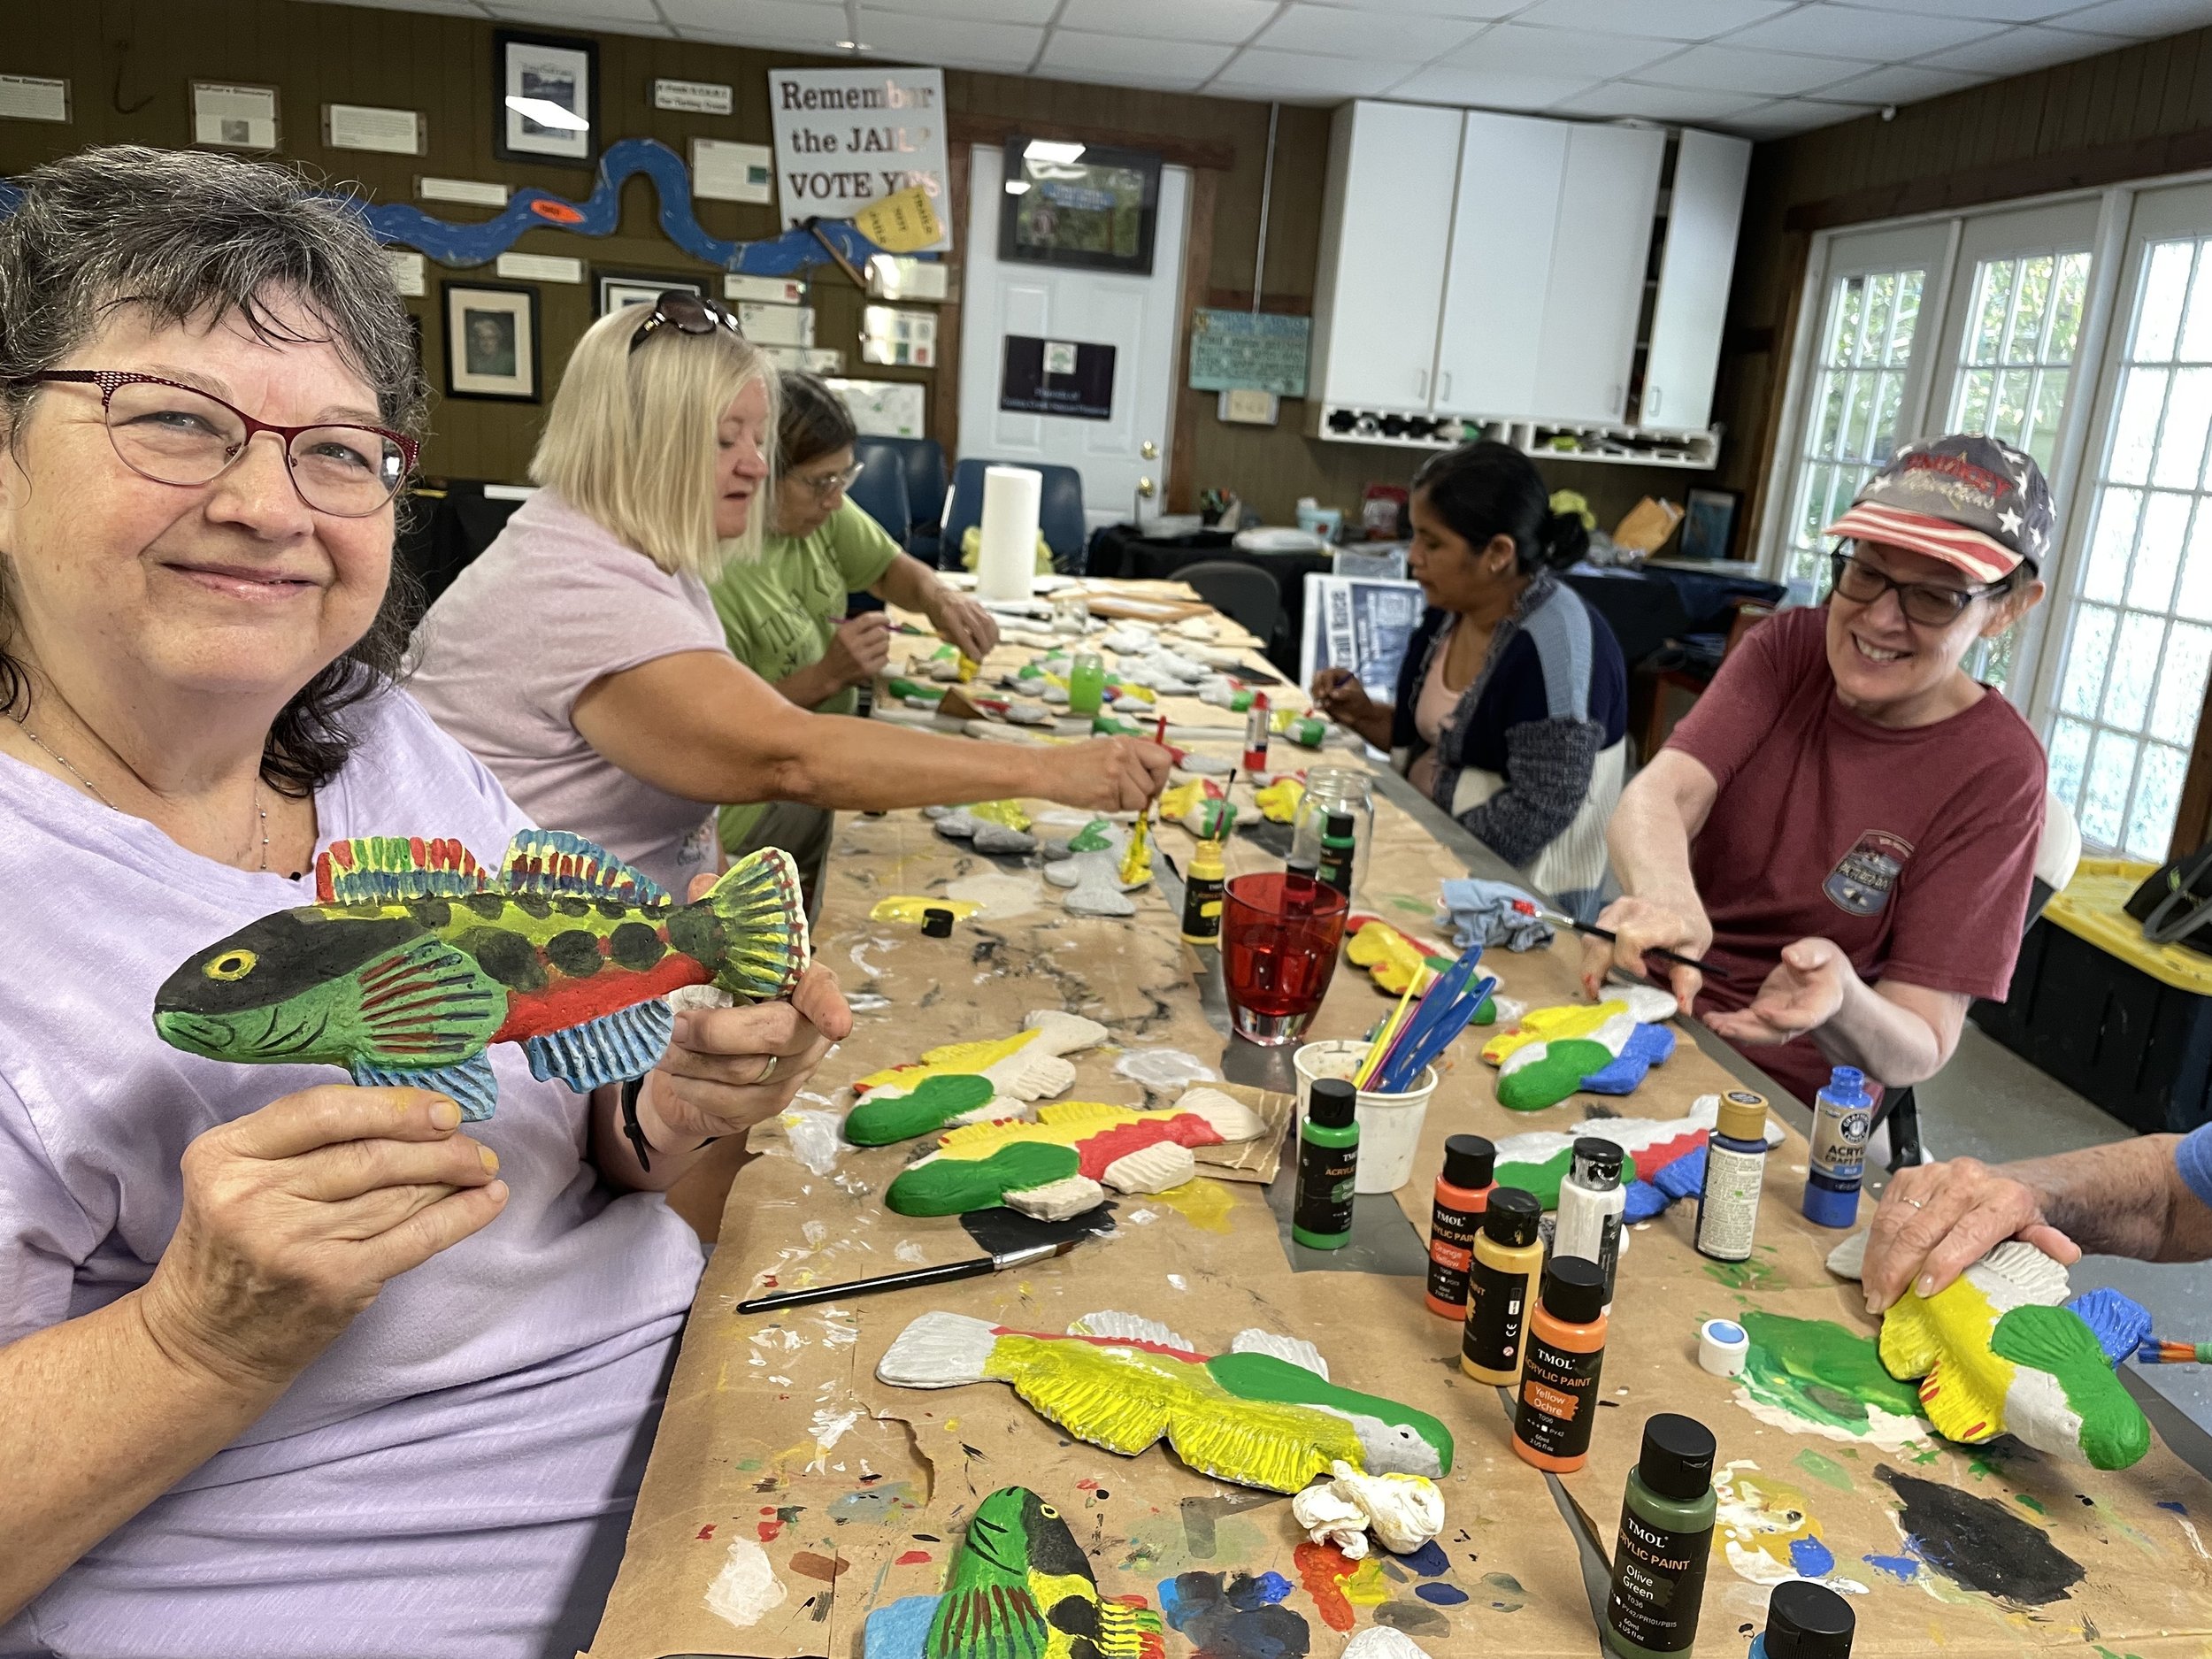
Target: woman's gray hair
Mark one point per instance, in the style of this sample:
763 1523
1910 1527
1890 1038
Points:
187 237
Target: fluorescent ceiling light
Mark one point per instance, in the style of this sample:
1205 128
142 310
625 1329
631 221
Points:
545 112
853 46
1016 186
1044 150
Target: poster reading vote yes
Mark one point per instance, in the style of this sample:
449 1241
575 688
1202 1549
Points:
846 138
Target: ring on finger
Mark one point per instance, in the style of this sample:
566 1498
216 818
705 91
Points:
1917 1204
766 1071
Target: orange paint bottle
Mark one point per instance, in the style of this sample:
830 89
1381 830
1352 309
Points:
1559 1380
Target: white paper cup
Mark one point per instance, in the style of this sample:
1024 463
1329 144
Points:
1389 1124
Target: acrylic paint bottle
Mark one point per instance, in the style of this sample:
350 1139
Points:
1501 1285
1202 896
1735 1166
1086 683
1666 1537
1806 1621
1591 1200
1559 1381
1256 724
1843 1115
1338 846
1328 1166
1461 1193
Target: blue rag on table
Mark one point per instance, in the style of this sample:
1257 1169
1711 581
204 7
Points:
1490 913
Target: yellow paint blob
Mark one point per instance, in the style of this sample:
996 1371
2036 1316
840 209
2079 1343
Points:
1390 959
1551 1024
1008 813
1279 802
1366 1587
1205 1204
907 907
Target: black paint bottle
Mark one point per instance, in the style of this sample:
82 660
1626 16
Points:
1666 1535
1328 1166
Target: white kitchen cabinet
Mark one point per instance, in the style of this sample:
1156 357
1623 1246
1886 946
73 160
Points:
1504 228
1386 222
1704 211
1594 291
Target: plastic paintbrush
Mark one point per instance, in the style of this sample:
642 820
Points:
1380 1044
1446 1030
1438 997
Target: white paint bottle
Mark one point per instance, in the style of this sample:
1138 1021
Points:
1591 1200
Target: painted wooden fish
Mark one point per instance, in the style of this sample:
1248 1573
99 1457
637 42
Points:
415 960
1020 1587
1264 1414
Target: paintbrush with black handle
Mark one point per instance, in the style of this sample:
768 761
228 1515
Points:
1710 970
974 1267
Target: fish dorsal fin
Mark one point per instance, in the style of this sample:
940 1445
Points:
1131 1327
1290 1349
560 865
1087 1117
393 869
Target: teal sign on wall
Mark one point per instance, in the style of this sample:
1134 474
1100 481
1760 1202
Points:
1259 352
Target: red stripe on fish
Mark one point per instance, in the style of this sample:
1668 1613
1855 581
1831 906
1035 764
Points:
567 1002
1185 1129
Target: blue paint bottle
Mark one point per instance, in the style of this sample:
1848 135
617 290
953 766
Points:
1843 1115
1806 1621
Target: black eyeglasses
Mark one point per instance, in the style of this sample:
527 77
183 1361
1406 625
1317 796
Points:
1931 605
174 433
687 313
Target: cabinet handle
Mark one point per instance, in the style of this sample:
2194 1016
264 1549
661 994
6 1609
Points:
1422 375
1651 400
1445 395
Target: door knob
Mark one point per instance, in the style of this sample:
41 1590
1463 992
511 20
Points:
1145 485
1151 450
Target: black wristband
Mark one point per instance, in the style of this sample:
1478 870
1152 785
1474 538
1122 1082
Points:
635 1131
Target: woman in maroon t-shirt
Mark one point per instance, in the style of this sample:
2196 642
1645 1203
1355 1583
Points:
1847 820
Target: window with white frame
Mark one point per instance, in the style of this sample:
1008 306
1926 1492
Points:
2131 683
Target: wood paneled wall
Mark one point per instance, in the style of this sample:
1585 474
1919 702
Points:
129 61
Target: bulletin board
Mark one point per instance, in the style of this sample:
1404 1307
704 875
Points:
1261 351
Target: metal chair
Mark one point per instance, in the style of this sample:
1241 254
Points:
2057 857
1247 595
1059 512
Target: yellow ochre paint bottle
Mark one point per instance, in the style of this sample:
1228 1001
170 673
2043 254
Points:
1501 1285
1202 894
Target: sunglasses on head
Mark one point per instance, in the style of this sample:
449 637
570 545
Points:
687 313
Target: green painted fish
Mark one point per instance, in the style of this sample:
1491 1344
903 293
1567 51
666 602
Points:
415 960
1020 1587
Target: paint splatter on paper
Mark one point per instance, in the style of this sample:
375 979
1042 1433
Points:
1979 1543
1235 1616
1338 1584
1814 1376
746 1590
1205 1204
1769 1532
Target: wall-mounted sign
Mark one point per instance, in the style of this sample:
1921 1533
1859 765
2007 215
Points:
234 118
475 192
776 325
361 126
846 137
1078 205
724 171
407 272
884 409
699 98
764 290
33 98
1258 351
540 267
889 334
1057 377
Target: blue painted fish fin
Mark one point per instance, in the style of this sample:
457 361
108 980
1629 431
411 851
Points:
393 869
626 1043
763 918
2120 1324
559 864
468 1083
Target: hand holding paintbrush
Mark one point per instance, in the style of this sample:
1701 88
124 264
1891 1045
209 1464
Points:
1631 930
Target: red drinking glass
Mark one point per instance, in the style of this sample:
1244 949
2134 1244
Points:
1279 935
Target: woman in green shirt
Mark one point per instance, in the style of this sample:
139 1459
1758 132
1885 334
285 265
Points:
784 613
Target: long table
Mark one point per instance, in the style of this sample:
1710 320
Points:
791 1493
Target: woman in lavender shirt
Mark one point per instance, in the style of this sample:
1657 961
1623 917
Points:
290 1367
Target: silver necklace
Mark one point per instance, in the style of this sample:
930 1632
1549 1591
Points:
100 795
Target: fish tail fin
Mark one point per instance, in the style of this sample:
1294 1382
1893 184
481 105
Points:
1126 1631
938 1351
763 914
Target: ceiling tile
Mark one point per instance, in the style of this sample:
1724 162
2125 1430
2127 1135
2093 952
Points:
1656 19
1036 11
955 43
1075 56
1900 83
441 8
1440 84
1740 69
1231 22
1482 10
1994 10
1513 48
534 17
759 23
1619 99
1847 31
1303 75
2018 51
2150 19
557 12
1786 116
1397 37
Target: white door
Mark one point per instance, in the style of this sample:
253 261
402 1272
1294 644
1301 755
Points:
1597 291
1122 458
1503 227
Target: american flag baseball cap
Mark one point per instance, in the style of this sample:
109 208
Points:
1973 502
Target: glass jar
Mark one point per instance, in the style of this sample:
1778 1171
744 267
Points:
1334 789
1072 613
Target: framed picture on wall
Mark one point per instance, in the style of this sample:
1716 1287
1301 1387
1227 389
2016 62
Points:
545 98
491 341
1078 205
1708 524
616 290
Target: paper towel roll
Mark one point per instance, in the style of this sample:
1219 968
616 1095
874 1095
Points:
1007 557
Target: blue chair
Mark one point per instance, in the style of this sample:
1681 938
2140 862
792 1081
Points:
1059 513
922 460
879 492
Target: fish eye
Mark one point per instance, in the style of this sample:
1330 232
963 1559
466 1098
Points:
1048 1512
231 965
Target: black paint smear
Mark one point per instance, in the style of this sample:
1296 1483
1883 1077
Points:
1000 1230
1980 1543
1273 839
1234 1621
1413 1618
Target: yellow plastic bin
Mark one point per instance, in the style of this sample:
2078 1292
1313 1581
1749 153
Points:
2127 1023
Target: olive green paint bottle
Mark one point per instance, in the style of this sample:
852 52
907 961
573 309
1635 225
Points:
1666 1536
